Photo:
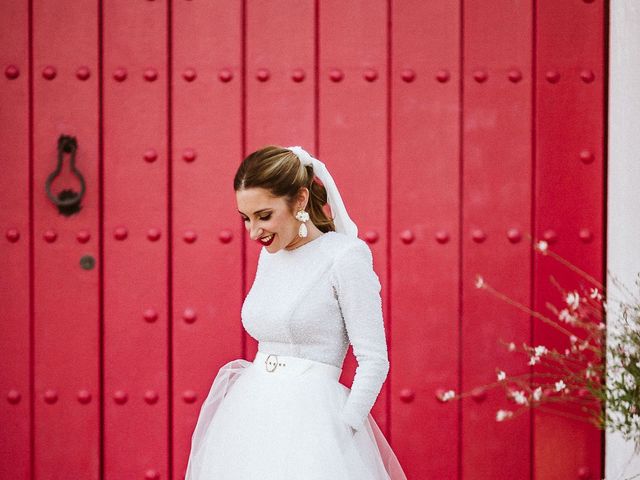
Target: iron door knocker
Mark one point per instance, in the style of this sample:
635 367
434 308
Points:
67 200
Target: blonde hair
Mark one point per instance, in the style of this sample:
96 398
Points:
279 171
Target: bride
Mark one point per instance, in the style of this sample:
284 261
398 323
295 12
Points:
285 415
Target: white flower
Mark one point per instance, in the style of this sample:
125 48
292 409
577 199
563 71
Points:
533 360
512 346
448 395
560 385
520 397
629 382
566 317
540 350
501 375
542 246
502 414
573 339
601 326
537 394
479 281
573 300
595 294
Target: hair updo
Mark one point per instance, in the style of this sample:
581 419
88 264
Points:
279 171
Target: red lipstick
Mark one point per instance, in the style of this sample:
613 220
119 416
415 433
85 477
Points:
268 243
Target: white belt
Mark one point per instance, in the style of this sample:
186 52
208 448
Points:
273 364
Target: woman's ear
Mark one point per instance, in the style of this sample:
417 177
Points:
303 197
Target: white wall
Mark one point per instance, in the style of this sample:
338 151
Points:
623 235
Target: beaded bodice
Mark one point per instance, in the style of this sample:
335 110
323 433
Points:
311 302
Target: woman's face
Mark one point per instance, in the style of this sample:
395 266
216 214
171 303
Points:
267 217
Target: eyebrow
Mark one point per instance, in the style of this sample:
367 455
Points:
256 212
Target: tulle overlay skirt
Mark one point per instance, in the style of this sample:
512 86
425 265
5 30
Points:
280 421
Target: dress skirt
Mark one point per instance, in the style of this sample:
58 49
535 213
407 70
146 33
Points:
277 418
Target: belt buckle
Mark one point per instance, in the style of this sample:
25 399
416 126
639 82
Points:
266 362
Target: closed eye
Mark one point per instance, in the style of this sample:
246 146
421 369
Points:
266 217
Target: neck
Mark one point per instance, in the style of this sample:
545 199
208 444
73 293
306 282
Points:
313 232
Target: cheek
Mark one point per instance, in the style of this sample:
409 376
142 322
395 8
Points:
274 223
271 226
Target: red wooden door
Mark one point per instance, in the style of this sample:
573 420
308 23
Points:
453 129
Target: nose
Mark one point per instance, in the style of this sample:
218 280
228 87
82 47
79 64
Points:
254 233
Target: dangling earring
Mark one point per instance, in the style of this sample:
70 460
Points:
303 216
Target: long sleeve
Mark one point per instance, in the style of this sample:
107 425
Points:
358 291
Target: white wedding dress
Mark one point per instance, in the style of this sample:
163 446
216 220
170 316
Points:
285 415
